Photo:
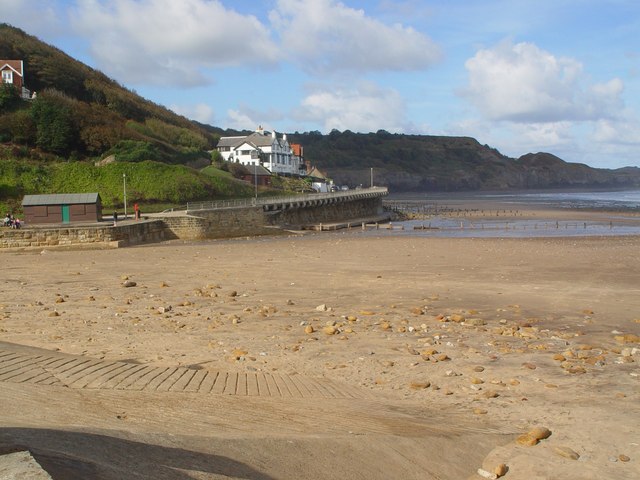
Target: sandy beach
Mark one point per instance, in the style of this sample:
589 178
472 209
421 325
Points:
352 356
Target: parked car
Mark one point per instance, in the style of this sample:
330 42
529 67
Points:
344 188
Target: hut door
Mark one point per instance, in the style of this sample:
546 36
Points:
65 214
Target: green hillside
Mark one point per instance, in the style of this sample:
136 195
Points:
79 116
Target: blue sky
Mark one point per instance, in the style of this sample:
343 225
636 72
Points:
561 76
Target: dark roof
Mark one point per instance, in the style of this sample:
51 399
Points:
260 140
230 141
258 170
255 139
60 199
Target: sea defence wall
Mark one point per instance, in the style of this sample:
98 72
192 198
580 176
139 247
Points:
268 216
229 222
93 236
228 219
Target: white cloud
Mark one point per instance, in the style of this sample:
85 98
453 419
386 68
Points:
325 36
200 112
169 42
363 108
240 120
36 17
523 83
619 132
246 117
548 135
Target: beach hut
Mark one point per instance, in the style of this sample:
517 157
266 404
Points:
62 208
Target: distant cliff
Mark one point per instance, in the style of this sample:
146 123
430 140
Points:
433 163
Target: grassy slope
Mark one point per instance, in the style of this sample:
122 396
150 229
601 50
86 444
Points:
147 182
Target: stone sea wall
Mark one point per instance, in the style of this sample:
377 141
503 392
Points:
327 213
230 222
90 235
223 223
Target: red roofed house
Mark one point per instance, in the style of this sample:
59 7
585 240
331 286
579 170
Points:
12 72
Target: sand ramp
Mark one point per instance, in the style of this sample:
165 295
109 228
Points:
78 372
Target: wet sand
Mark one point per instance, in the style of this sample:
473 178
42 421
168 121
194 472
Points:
440 353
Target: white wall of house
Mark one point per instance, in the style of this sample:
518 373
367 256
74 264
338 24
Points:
276 152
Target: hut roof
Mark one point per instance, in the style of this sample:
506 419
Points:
60 199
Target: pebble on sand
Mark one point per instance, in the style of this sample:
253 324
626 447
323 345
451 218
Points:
627 338
539 433
567 452
330 330
501 470
526 440
486 474
420 385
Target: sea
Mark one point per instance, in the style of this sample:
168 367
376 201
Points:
618 214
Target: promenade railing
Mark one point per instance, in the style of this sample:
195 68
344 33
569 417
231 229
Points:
251 202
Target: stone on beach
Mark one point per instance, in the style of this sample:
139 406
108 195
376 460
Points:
566 452
486 474
419 385
501 470
330 330
627 338
527 440
540 433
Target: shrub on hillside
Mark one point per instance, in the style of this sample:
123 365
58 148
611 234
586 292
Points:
135 151
237 169
9 97
52 115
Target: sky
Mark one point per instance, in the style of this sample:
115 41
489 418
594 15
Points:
557 76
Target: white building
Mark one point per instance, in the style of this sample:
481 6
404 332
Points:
262 148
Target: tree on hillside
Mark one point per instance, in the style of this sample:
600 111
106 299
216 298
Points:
53 119
9 97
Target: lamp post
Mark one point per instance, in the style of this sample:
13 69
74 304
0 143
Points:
124 186
371 177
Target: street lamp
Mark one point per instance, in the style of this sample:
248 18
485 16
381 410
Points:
371 177
124 186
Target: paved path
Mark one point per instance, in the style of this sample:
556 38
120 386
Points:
47 368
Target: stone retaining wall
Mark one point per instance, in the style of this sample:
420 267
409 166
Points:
90 235
223 223
196 225
327 213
